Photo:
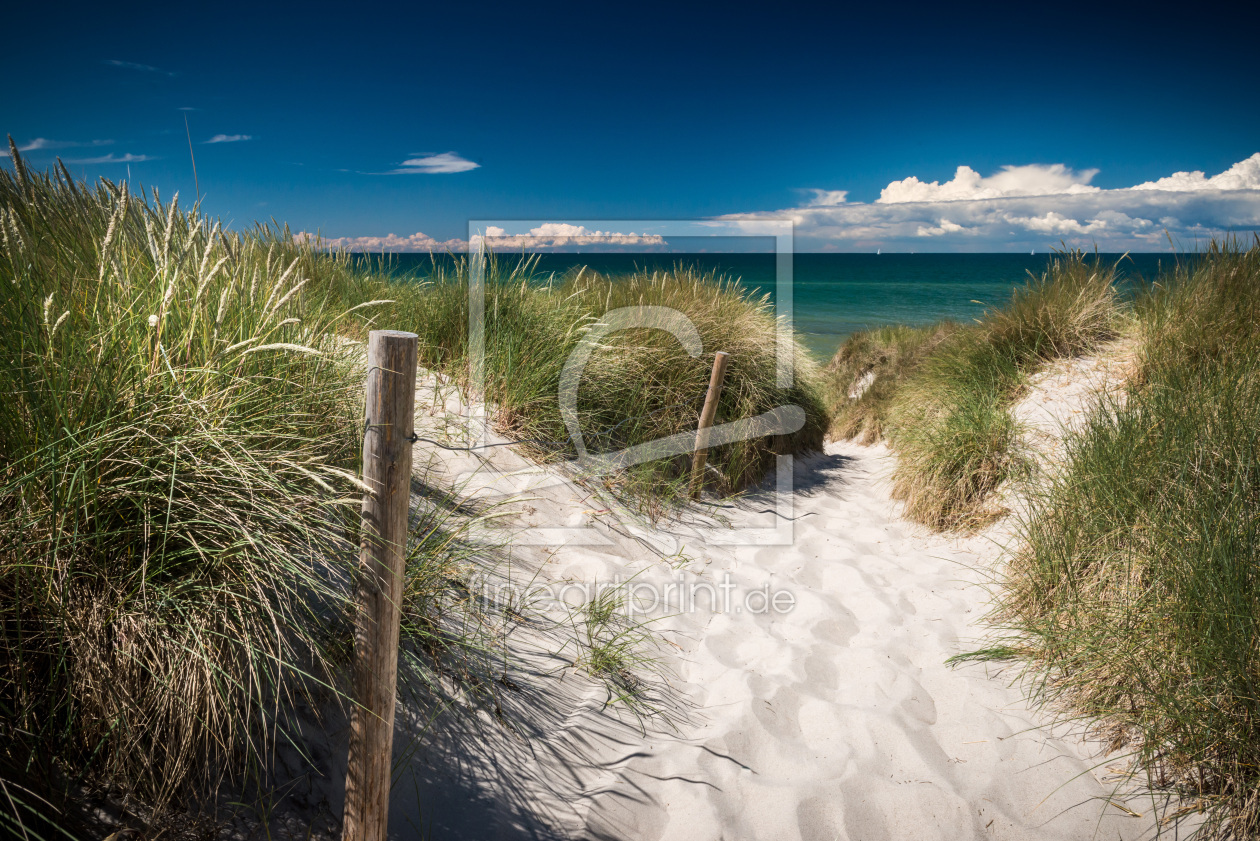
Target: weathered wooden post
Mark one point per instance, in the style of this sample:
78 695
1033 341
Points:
701 456
391 399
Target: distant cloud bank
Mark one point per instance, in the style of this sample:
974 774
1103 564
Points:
1034 204
561 235
418 242
550 235
1018 207
229 138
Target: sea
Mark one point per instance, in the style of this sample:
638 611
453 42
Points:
836 295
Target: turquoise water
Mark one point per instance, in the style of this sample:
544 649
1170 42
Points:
835 295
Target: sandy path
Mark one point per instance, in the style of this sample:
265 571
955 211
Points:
835 719
839 718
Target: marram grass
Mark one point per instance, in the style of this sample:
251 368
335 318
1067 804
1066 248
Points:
1135 596
639 384
179 447
868 369
1132 594
954 438
940 394
177 444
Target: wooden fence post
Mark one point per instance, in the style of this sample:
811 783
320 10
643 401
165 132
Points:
391 400
701 456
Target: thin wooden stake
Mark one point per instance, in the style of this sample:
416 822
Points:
701 456
391 401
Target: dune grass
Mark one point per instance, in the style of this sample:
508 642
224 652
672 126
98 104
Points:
639 385
954 437
1135 598
867 371
940 395
176 436
621 650
179 441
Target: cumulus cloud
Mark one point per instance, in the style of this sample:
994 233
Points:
1053 223
111 158
229 138
1244 175
44 143
563 235
434 165
968 185
1036 204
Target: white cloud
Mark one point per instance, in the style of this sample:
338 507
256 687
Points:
434 165
545 236
1053 223
44 143
390 243
1244 175
229 138
563 235
1033 205
968 185
946 227
827 198
111 158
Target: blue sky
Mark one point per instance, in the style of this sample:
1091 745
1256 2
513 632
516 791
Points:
659 111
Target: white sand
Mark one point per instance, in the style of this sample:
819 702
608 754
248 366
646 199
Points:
1058 401
1061 396
837 719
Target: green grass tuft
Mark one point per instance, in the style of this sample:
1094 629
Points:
868 370
954 438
